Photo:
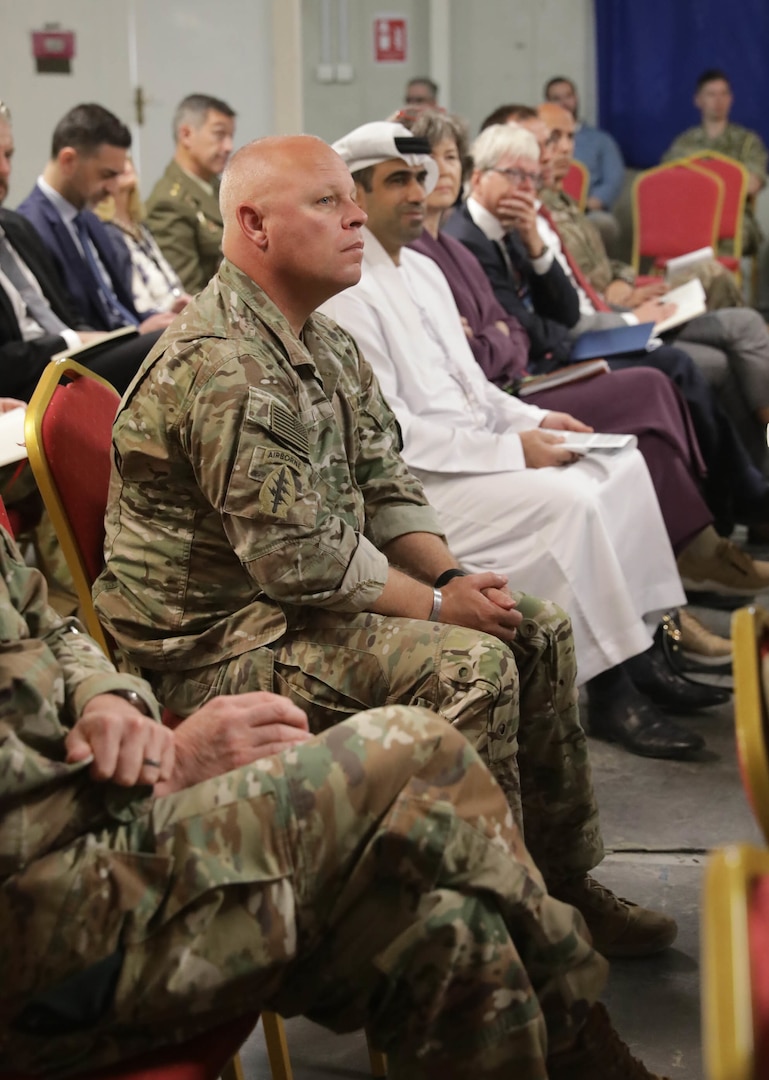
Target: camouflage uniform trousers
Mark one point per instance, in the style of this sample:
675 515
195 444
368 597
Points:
18 490
371 877
339 664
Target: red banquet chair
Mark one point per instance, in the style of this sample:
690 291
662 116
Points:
676 209
735 178
205 1057
5 521
576 183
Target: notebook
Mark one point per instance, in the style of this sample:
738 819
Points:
616 341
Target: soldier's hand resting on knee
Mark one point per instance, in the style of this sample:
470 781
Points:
482 602
126 746
130 748
232 731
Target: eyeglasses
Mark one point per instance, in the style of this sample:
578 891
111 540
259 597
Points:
5 112
518 176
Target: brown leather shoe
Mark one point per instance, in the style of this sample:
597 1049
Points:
618 927
598 1054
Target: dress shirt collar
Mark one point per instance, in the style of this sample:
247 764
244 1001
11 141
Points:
67 212
208 188
485 220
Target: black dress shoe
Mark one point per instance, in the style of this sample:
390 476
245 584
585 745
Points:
635 724
652 675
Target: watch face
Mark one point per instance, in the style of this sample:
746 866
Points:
134 699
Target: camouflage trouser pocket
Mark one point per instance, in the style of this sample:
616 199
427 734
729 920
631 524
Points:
329 685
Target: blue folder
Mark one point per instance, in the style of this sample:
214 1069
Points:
616 341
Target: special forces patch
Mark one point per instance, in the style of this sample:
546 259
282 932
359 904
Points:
278 492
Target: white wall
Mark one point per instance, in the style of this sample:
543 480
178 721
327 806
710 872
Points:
499 50
169 48
504 52
376 90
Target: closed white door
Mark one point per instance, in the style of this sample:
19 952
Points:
135 56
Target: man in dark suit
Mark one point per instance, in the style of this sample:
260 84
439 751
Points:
88 152
37 315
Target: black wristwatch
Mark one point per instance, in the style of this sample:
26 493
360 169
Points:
447 576
134 699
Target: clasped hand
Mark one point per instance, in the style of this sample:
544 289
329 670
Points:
129 748
482 602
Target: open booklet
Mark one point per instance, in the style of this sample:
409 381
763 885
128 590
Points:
690 302
589 442
640 337
687 264
93 348
588 369
12 446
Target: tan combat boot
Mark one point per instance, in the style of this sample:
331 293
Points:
618 927
598 1054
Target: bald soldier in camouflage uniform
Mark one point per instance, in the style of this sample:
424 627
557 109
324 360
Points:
259 512
370 876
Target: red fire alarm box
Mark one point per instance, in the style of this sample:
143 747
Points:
53 50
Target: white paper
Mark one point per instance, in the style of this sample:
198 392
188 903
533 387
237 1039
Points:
690 301
681 263
586 442
12 446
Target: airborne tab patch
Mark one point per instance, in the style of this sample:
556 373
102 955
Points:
278 492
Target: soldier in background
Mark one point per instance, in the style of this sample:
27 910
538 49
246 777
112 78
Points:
183 210
713 98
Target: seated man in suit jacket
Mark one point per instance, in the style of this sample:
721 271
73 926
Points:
37 318
87 156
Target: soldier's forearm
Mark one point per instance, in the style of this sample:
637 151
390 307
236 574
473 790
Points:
423 555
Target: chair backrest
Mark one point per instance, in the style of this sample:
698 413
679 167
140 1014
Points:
576 183
735 178
68 432
735 964
750 638
205 1057
676 209
5 521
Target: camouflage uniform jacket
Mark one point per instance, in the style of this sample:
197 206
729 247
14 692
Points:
49 670
584 242
737 142
586 247
187 224
255 476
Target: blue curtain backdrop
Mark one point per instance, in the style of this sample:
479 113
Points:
650 53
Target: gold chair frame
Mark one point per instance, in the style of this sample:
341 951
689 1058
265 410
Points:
728 1034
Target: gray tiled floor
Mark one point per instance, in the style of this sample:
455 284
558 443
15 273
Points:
659 820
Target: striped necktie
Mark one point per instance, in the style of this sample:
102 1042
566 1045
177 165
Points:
115 315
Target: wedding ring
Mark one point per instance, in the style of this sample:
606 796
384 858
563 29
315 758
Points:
152 763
